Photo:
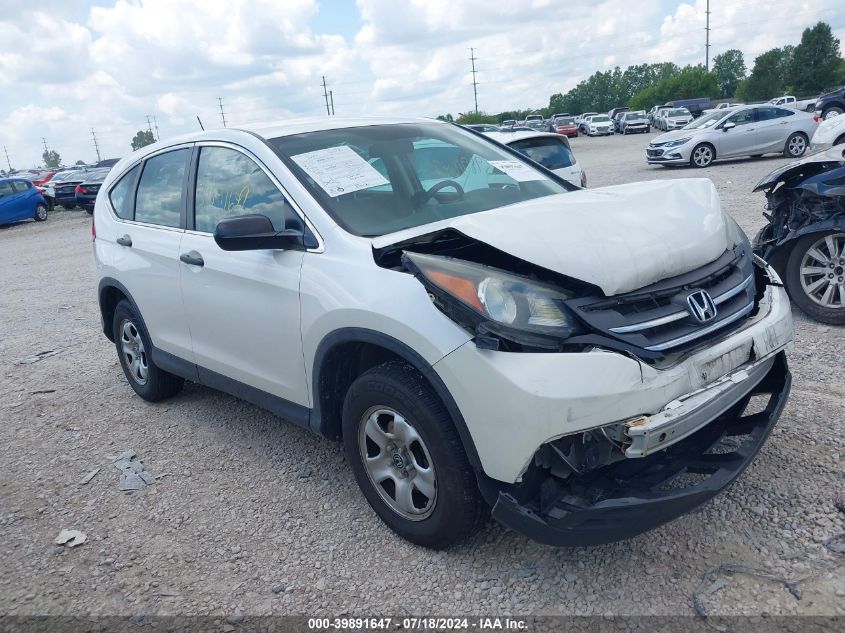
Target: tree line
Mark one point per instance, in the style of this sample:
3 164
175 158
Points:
813 66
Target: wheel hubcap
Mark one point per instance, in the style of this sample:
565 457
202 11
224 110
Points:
832 113
398 463
797 145
822 271
703 155
134 353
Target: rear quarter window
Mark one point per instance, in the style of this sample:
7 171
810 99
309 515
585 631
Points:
120 194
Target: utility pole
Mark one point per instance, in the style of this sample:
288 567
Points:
222 114
149 125
8 162
331 98
472 58
326 96
707 38
155 124
44 140
96 147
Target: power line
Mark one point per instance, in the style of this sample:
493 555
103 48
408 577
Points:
472 58
222 114
707 39
8 162
326 96
96 147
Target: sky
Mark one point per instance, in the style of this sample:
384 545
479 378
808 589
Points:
68 67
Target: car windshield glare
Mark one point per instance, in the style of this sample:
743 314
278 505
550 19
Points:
706 121
379 179
678 113
600 119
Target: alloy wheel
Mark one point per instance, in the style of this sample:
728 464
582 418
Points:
702 156
822 272
41 212
832 112
797 145
134 353
397 463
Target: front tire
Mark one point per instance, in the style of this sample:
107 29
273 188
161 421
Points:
134 350
408 459
703 155
815 276
40 212
795 146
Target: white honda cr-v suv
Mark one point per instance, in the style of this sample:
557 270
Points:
480 333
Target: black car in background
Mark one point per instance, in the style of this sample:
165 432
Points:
831 103
62 188
86 191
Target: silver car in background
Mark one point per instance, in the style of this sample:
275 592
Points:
675 119
741 131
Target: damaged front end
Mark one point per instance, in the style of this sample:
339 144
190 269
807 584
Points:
803 197
586 489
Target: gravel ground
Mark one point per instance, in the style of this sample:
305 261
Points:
254 516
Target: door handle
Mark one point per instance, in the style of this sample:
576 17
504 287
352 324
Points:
192 258
124 240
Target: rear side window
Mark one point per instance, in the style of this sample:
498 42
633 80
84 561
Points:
159 197
20 185
770 112
551 153
119 195
6 189
231 184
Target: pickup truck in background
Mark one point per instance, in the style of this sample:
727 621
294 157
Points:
789 101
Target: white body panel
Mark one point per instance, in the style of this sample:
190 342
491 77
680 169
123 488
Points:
829 131
243 313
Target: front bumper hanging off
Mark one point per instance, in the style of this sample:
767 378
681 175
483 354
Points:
632 496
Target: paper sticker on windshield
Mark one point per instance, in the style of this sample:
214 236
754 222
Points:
339 170
516 170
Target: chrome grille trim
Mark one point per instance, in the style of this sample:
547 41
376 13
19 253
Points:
677 316
703 331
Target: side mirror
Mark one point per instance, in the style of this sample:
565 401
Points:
728 125
256 232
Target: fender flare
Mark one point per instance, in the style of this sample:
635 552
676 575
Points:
406 353
111 282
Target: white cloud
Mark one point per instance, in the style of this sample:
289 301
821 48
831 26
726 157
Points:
65 68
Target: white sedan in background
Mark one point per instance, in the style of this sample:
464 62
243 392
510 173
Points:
742 131
831 131
552 151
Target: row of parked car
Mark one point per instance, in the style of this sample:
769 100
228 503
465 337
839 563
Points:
33 193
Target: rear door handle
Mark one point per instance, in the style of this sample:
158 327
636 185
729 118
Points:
125 240
192 258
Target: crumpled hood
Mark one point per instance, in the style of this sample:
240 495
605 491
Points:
618 238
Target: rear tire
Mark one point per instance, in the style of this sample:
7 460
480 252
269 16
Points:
810 291
134 350
832 112
796 145
40 212
398 437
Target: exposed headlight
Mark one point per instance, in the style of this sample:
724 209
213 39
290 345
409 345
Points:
677 142
494 297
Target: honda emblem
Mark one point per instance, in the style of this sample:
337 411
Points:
701 306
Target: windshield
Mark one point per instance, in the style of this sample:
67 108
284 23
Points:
705 121
97 175
601 118
678 113
383 178
563 120
634 115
